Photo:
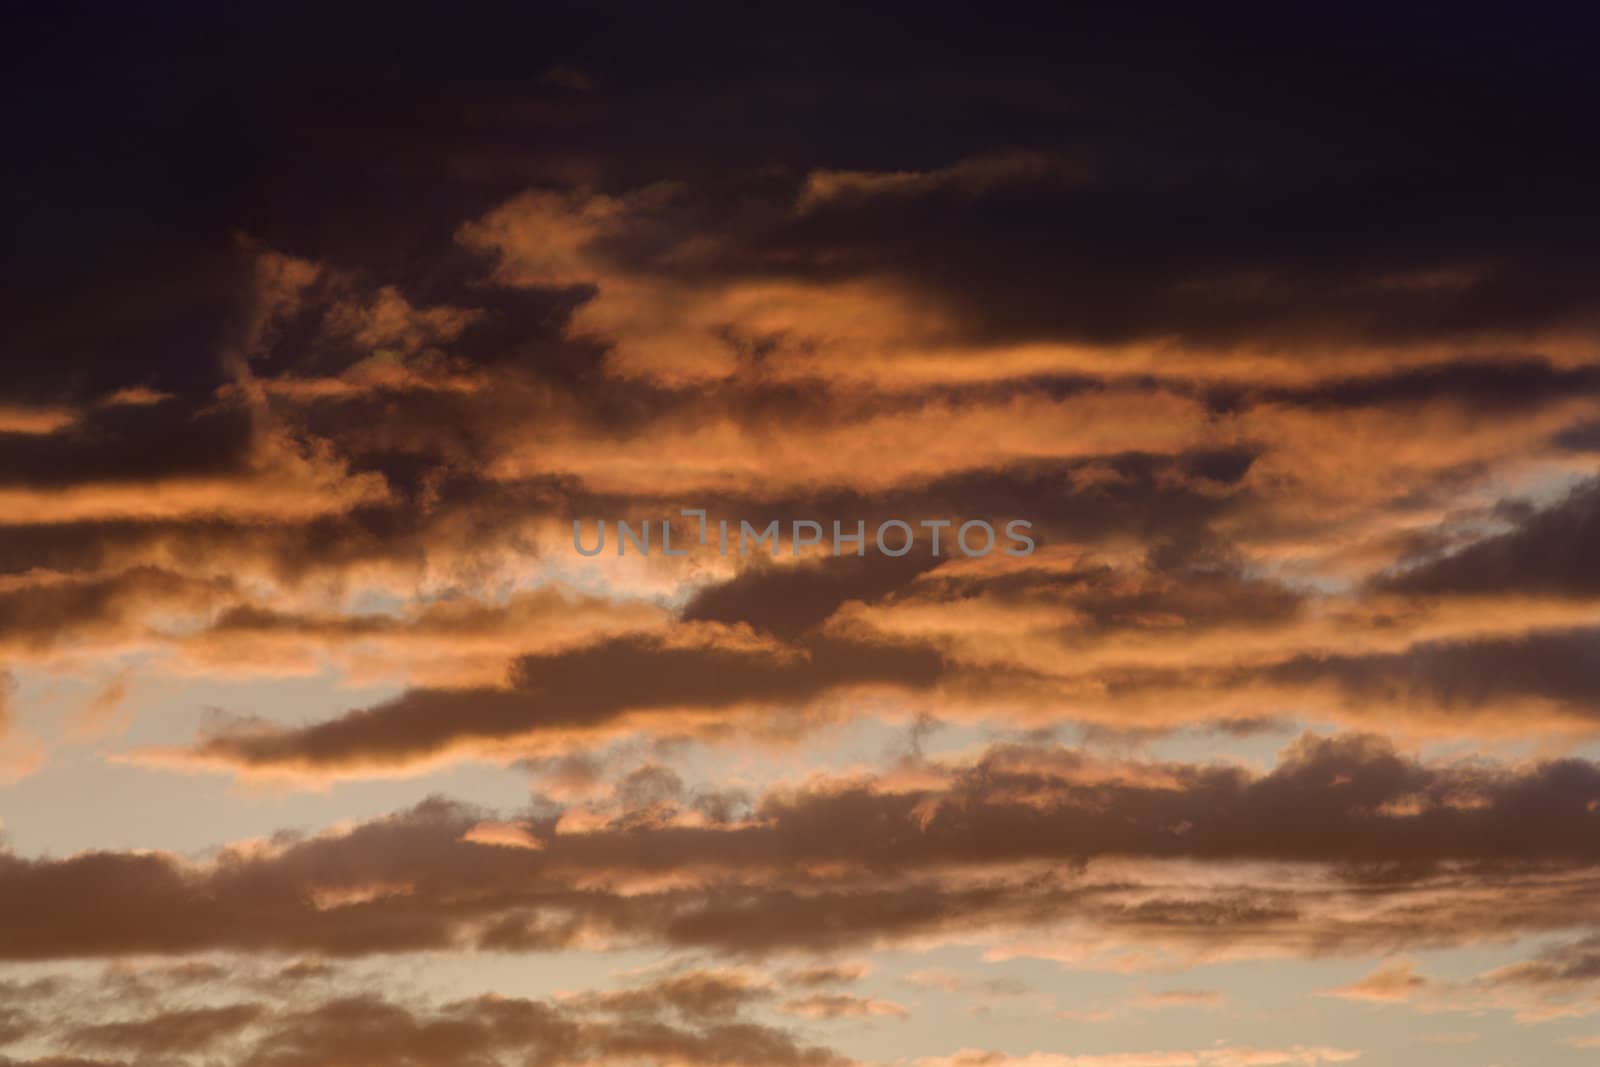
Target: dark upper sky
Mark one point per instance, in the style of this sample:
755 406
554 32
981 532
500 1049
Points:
1315 149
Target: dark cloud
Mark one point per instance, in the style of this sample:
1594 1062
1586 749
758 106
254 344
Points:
1504 387
790 600
1009 841
38 615
1584 437
582 689
1466 676
366 1030
1549 553
1571 963
465 517
136 443
1193 580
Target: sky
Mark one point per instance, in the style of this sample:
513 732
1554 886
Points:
1264 342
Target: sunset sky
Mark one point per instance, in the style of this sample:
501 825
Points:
321 745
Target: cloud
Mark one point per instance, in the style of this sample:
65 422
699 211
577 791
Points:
695 995
1182 998
502 835
14 1025
788 600
371 1029
586 690
1294 375
36 615
1548 554
1573 963
1392 983
842 1006
1544 670
825 974
1561 980
8 687
174 1032
1298 1056
1345 846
